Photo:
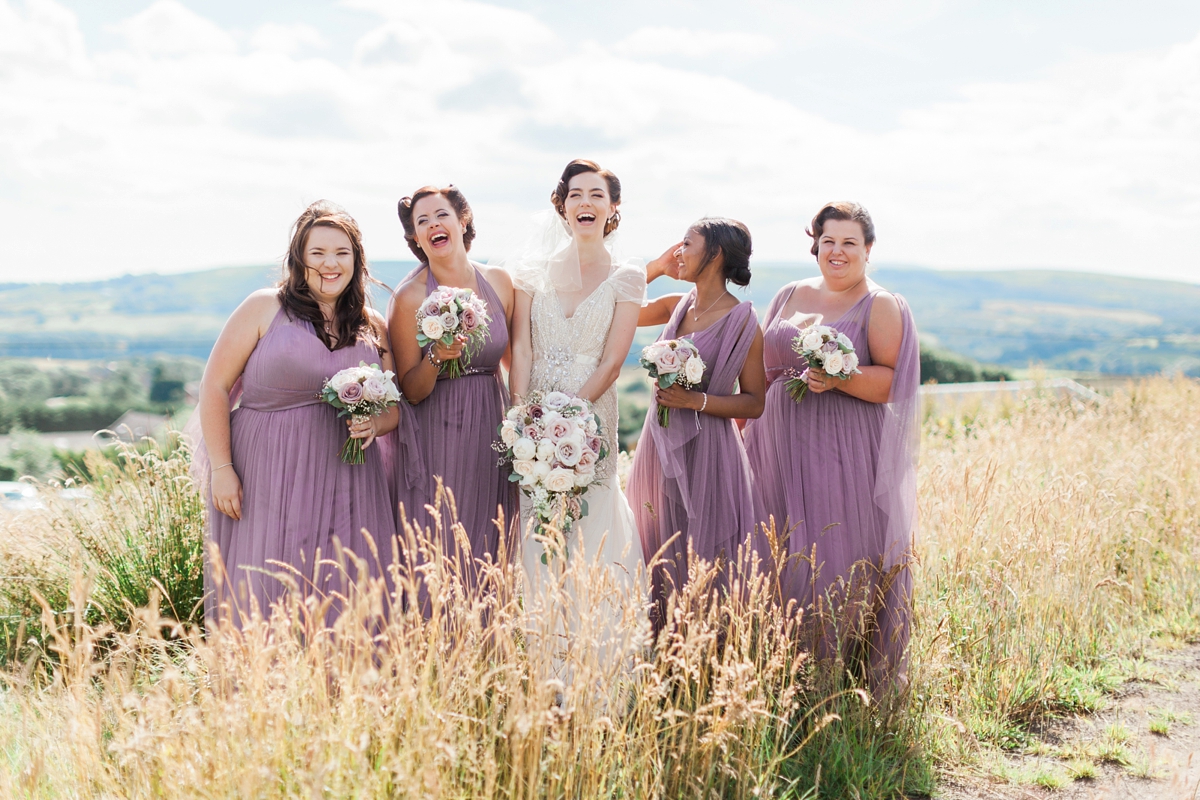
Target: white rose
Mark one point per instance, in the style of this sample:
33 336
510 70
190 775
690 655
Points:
593 427
449 321
508 433
523 468
540 470
584 479
569 450
545 451
341 379
651 352
834 362
812 341
849 363
693 370
556 400
560 480
524 449
432 328
374 389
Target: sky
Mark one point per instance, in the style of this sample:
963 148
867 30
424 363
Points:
169 135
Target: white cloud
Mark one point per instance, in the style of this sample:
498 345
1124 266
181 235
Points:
185 149
659 42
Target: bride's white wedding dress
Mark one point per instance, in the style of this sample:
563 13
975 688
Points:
566 351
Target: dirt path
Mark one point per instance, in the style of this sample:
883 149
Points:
1144 746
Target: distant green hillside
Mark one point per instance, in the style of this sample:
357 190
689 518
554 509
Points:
1063 320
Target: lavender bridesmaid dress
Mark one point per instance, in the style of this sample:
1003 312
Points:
842 472
298 496
692 477
456 426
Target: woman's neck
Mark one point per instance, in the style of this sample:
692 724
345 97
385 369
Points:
845 286
592 252
710 289
453 270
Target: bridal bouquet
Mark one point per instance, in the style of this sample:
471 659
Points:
448 313
360 392
553 442
826 349
670 362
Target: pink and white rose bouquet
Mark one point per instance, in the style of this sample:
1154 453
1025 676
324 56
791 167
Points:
673 361
360 392
553 443
826 349
447 313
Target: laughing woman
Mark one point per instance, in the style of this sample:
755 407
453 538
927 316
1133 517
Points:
837 470
280 494
691 477
457 417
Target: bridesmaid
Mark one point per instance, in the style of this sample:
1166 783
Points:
456 418
280 494
692 477
837 470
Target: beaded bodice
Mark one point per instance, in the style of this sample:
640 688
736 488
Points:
566 351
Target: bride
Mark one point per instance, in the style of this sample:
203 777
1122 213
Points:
573 324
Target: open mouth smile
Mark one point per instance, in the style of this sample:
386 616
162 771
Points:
439 239
585 218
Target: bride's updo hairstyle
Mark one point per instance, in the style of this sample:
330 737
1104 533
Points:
458 202
577 167
843 210
731 239
351 322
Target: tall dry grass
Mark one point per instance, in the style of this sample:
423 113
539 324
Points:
1057 539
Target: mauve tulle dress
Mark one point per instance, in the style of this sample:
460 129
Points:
693 476
456 426
298 496
843 472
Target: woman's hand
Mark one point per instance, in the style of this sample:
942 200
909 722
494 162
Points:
227 492
449 352
818 381
363 429
675 396
665 264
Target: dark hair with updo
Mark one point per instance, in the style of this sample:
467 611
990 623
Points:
457 201
845 210
577 167
351 320
729 238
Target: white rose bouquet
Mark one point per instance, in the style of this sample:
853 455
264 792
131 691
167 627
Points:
826 349
553 442
670 362
360 392
447 313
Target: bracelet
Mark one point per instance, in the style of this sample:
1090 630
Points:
437 362
704 404
223 466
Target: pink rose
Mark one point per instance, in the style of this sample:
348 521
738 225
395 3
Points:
430 308
587 461
569 451
594 444
560 428
374 389
531 432
536 411
469 319
351 393
667 362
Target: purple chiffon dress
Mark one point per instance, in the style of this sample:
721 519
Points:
298 496
840 474
456 426
692 476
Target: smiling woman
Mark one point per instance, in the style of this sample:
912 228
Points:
280 495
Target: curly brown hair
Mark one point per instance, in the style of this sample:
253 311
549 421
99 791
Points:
458 202
351 320
844 210
577 167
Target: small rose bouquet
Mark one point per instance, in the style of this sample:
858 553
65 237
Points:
670 362
553 442
826 349
448 313
360 392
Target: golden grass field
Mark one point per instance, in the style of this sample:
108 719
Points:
1058 546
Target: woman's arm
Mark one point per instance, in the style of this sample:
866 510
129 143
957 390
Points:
620 337
417 374
521 344
748 403
874 383
658 311
248 323
386 422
